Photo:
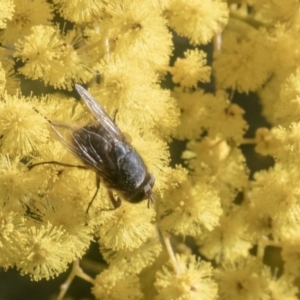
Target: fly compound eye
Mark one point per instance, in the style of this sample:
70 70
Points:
144 191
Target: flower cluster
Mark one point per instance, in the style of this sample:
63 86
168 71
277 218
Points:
216 216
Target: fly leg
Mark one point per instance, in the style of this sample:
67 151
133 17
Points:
95 194
55 163
115 202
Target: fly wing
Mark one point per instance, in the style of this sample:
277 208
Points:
99 113
88 146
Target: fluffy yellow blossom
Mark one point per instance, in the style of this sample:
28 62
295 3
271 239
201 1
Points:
227 241
242 279
258 224
40 51
76 66
291 253
45 252
275 11
197 20
214 113
21 127
53 58
287 107
80 11
114 283
244 63
191 70
189 208
267 94
282 287
12 83
276 193
27 13
69 213
222 165
282 41
223 119
193 281
232 117
192 111
285 143
17 184
247 278
119 85
138 31
11 229
6 12
135 260
127 227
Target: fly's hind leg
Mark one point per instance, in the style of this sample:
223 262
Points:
55 163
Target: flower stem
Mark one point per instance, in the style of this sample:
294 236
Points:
76 271
170 251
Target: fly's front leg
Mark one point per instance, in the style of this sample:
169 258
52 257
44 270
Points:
115 202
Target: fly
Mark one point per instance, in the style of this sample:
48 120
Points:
103 148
